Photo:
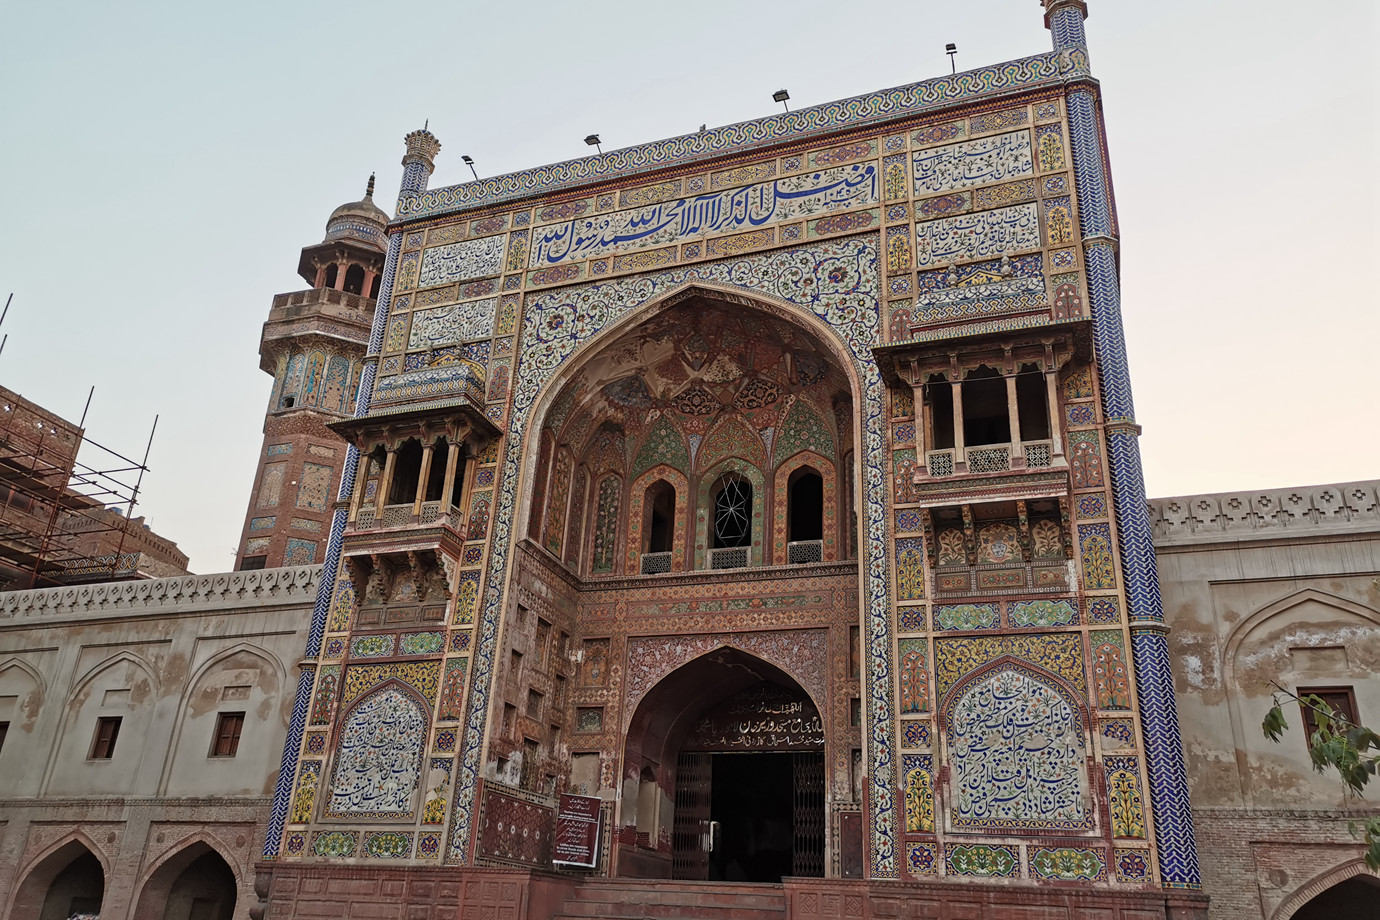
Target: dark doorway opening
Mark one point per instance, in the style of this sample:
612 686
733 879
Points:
749 817
751 812
1357 898
77 890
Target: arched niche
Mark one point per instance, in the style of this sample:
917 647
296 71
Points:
244 681
1348 890
699 378
21 699
697 711
378 755
68 878
1306 639
787 474
712 481
1017 745
124 688
638 516
194 881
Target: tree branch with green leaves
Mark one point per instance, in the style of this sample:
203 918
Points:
1336 744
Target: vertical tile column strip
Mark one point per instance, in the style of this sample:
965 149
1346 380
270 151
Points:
287 771
1158 711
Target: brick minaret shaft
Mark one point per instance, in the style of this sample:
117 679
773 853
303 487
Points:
313 344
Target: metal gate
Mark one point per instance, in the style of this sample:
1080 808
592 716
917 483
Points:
808 817
690 835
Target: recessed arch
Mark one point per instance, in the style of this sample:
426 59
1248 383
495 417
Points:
73 851
271 690
637 511
989 728
1320 883
781 496
106 664
1231 650
674 734
710 481
574 366
381 742
195 868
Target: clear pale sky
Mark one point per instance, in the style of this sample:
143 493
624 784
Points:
161 164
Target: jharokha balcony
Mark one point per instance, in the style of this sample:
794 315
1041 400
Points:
413 477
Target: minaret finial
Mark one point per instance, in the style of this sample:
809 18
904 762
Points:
426 124
1064 18
369 189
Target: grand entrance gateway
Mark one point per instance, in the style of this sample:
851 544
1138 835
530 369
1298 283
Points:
760 511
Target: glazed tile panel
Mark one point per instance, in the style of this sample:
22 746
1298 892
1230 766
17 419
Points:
912 99
973 162
724 212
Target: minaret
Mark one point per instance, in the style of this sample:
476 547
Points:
1178 855
313 344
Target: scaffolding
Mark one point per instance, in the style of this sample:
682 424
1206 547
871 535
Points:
66 501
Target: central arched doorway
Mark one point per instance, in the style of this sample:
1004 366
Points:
724 775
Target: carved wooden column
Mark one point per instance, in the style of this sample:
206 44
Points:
960 448
917 390
1056 448
422 478
448 494
385 482
1013 419
357 495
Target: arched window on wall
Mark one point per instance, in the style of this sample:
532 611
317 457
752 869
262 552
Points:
658 528
730 540
332 273
407 469
354 280
805 517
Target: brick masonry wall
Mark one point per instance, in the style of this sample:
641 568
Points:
1254 860
131 837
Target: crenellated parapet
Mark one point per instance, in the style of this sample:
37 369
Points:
226 591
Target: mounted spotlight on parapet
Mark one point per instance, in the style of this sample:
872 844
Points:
468 161
951 49
593 141
781 96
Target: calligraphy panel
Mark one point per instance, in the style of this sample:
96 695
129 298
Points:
461 261
1017 755
456 323
379 757
983 235
975 162
720 212
766 717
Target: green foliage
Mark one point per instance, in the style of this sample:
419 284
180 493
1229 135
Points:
1353 751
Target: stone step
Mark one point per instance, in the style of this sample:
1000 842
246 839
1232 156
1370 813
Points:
652 900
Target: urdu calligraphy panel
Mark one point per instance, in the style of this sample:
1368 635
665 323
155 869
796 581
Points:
379 757
1017 751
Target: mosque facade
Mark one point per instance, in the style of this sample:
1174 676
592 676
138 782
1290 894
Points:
795 455
760 507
